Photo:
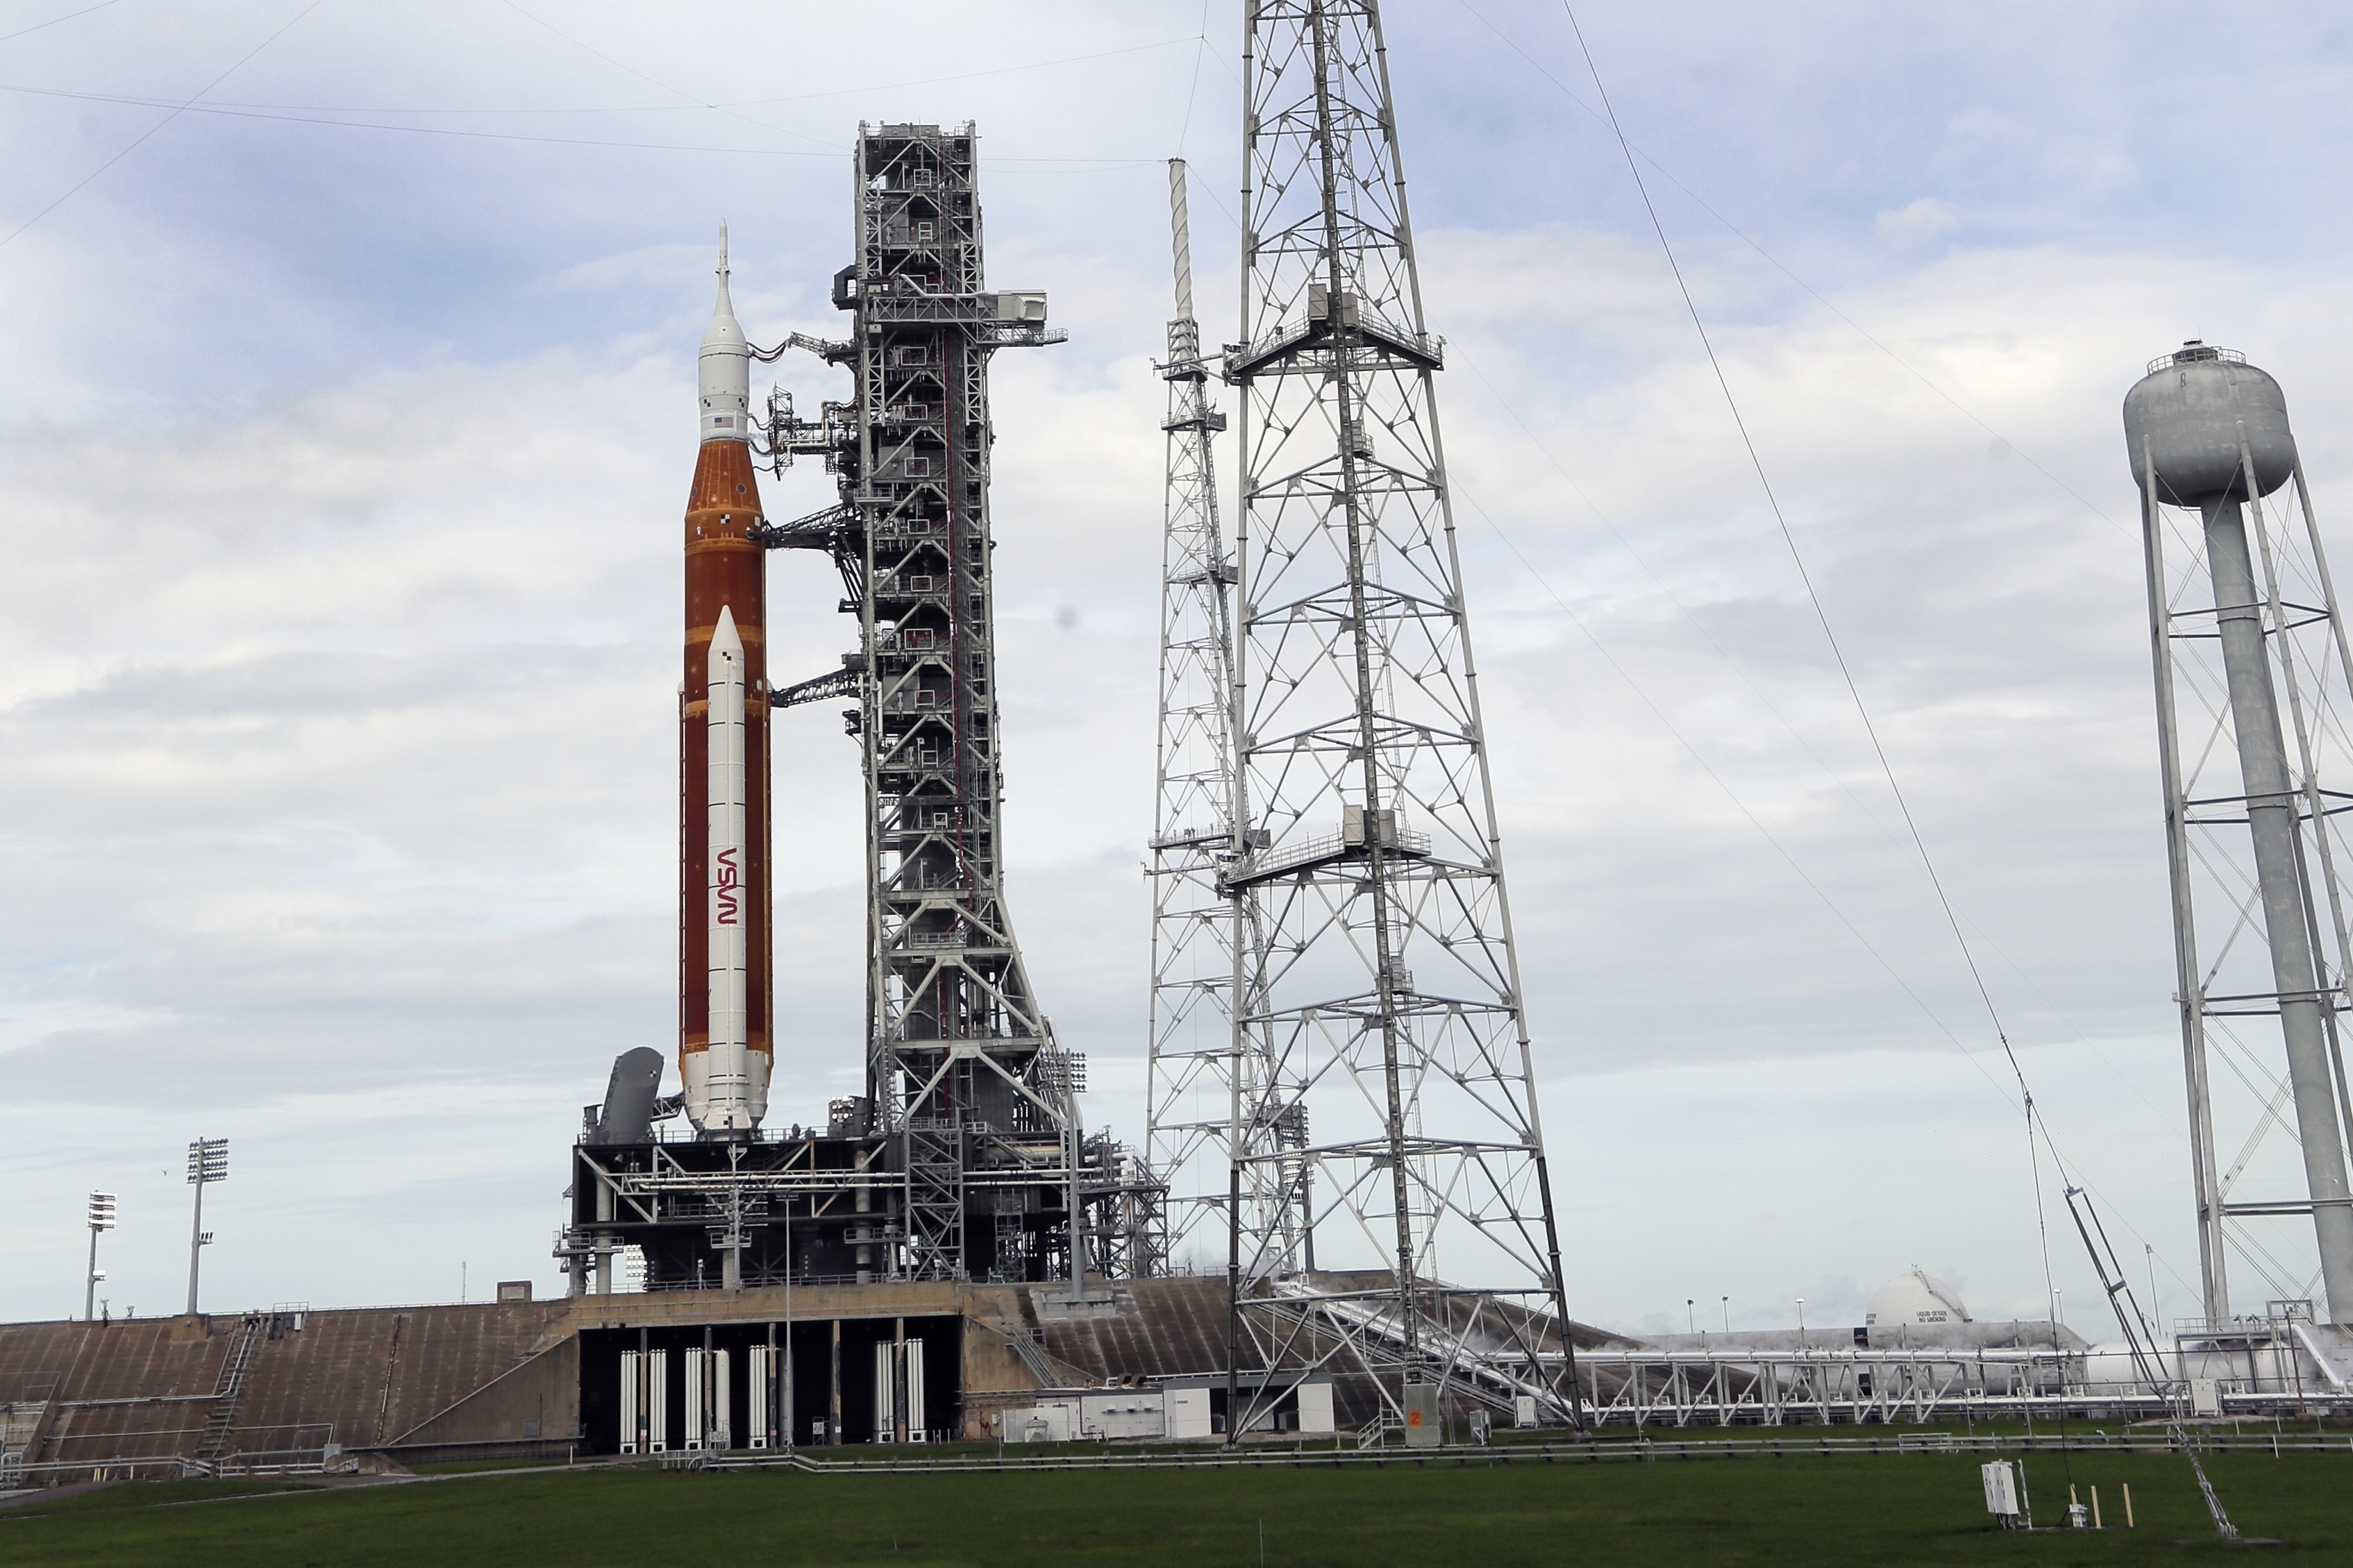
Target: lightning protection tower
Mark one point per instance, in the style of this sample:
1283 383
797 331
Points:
2251 658
1201 1066
1379 968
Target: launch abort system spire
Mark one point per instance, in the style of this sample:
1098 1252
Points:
2253 827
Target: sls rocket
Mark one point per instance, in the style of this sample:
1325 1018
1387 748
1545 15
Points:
724 1010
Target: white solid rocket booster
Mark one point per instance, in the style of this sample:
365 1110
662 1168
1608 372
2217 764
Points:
729 1087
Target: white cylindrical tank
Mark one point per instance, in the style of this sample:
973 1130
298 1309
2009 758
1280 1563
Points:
2188 416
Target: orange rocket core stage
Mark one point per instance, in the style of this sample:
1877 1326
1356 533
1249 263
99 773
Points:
723 568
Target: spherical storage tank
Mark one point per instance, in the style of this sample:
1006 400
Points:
1915 1300
2188 416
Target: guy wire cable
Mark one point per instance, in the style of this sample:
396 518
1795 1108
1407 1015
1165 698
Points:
1847 673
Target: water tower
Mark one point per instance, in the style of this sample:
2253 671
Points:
2253 702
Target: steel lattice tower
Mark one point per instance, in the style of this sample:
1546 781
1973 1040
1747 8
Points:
963 1066
1382 976
1201 1069
960 1047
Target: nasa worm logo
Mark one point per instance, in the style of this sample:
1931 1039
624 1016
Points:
723 888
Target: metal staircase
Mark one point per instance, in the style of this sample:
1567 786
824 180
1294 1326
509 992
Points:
229 1388
1033 1356
1492 1356
23 1425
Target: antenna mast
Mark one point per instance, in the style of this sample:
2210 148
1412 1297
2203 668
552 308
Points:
1203 1068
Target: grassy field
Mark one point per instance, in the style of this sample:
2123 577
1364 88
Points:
1885 1510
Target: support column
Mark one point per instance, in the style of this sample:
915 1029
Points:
833 1412
2271 820
604 1243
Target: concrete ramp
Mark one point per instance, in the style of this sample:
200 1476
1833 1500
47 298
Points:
142 1390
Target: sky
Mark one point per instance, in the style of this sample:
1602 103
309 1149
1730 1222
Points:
349 417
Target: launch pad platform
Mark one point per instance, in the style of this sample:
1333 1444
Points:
755 1369
832 1207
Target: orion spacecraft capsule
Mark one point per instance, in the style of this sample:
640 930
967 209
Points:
724 1009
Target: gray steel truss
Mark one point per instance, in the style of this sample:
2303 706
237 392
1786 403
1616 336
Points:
965 1075
1489 1348
1378 969
2227 990
1485 1345
2258 1367
1686 1388
1201 1067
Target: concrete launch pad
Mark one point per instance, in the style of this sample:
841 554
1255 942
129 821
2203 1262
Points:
296 1388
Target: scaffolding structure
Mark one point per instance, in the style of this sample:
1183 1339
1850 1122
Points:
964 1072
1363 870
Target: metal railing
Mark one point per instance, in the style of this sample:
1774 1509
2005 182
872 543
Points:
1308 851
1325 1453
2195 353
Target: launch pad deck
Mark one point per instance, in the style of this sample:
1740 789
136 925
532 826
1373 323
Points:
820 1209
293 1386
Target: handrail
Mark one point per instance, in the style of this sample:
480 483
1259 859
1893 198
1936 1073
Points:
1306 852
2195 353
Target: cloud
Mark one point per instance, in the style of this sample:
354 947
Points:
1921 219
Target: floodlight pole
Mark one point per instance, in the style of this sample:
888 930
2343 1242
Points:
207 1161
196 1238
101 1214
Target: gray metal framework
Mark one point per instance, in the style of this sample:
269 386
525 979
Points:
1485 1345
1200 1065
1377 963
965 1078
2281 1364
2256 843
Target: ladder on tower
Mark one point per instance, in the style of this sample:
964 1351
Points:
229 1389
934 1198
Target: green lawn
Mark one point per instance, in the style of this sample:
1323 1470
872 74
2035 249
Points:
1913 1508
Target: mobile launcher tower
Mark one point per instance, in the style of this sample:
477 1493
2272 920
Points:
967 1158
